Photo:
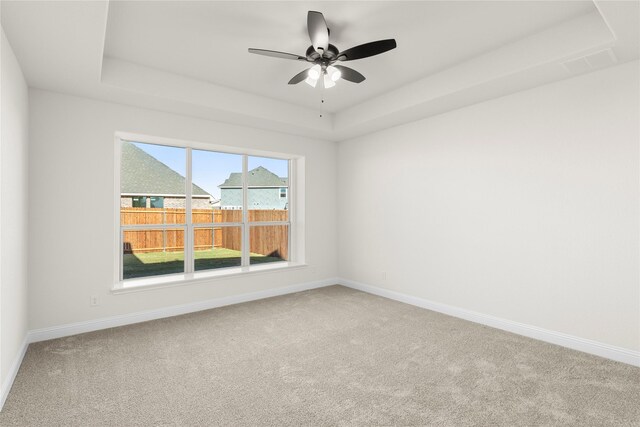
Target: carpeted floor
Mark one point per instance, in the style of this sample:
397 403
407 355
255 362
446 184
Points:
330 356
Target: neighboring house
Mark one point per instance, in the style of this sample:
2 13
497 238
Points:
266 190
146 182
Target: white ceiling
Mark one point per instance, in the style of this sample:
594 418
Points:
191 57
209 41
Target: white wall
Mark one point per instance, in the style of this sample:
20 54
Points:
524 207
72 220
13 211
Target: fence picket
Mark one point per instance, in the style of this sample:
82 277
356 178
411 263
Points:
264 240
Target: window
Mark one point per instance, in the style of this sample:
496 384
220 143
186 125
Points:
139 202
157 202
217 210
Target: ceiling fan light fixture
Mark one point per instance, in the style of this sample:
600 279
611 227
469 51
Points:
311 82
328 82
314 72
333 73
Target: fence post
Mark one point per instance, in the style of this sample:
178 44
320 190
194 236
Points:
164 231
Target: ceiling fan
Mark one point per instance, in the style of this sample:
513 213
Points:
325 55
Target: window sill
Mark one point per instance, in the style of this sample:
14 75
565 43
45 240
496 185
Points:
171 280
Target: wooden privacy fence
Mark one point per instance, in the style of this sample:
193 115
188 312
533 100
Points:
270 240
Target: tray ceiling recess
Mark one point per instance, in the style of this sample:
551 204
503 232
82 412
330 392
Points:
191 57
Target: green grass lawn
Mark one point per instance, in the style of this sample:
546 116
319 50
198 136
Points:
157 263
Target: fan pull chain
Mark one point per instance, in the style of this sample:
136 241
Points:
322 102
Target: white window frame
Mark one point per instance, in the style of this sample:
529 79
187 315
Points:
295 223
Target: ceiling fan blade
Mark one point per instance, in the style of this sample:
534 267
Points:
350 74
318 31
301 76
276 54
366 50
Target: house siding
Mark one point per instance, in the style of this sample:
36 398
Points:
258 198
126 202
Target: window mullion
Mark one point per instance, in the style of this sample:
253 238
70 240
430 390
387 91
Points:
188 237
245 261
121 274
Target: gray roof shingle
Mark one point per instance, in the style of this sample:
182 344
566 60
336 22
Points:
143 174
258 177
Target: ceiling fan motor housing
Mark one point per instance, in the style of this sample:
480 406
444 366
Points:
331 54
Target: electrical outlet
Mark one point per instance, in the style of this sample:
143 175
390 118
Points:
384 275
93 301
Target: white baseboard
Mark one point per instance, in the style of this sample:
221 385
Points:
588 346
5 387
176 310
565 340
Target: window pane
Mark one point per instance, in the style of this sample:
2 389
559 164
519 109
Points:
152 177
139 201
217 186
152 252
269 243
157 202
217 247
268 195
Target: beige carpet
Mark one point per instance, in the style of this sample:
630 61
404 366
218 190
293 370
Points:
331 356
